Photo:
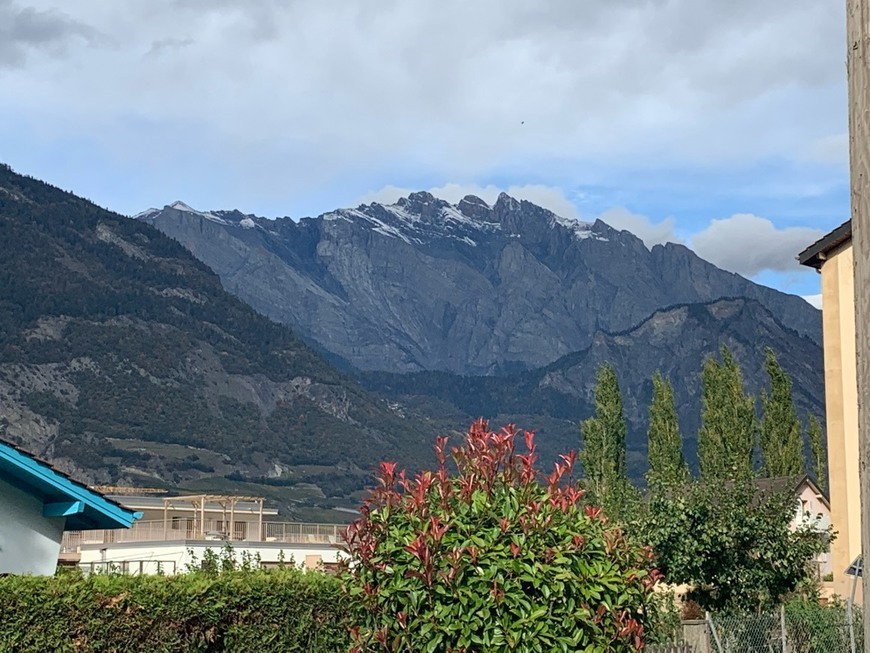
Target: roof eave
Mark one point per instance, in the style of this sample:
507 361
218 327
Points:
816 254
98 511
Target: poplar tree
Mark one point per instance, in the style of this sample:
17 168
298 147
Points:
782 450
728 423
603 452
667 466
817 449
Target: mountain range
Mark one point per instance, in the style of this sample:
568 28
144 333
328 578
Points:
221 351
124 362
504 310
467 288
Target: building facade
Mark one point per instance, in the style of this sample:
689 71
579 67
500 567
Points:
178 533
832 257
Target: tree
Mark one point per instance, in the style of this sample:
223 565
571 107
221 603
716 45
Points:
782 450
603 453
493 558
667 466
726 438
732 544
817 450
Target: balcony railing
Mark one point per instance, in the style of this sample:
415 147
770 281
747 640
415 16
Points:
188 529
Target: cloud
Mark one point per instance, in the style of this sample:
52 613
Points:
301 94
748 244
162 45
24 30
831 149
814 300
550 197
651 233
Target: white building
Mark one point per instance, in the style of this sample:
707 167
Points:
38 504
175 534
812 508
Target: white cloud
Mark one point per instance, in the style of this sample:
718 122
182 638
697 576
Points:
748 244
300 94
815 300
831 149
651 233
550 197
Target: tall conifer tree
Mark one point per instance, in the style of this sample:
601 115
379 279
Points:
603 452
667 466
728 422
782 450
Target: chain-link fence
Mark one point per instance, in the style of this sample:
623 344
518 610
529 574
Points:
794 628
798 627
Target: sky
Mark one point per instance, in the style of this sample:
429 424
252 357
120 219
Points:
721 124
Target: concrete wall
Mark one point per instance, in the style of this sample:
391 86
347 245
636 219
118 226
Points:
841 407
29 542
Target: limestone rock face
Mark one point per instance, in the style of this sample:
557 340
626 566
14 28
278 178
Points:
469 288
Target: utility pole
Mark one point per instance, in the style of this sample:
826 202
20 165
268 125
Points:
858 67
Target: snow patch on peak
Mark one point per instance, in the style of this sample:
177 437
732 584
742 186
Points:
335 215
178 205
421 218
402 213
382 227
474 199
452 214
147 213
186 208
580 229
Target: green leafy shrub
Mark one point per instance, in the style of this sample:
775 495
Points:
257 611
732 543
493 558
823 628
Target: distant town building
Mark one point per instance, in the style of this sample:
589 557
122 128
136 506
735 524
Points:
176 531
812 509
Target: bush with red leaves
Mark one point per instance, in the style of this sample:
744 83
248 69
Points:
493 556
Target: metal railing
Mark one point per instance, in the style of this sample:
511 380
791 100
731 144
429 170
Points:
131 567
211 529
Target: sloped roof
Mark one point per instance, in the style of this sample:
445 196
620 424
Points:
61 495
791 484
814 255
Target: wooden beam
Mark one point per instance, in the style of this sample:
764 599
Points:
858 68
63 508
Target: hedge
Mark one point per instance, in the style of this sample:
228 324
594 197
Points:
258 610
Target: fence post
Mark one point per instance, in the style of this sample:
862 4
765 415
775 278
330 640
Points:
782 628
709 619
696 636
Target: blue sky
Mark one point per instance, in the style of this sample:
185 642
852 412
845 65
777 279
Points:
717 123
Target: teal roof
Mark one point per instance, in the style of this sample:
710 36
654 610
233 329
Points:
61 496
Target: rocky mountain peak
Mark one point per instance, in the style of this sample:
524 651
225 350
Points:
475 208
423 205
470 288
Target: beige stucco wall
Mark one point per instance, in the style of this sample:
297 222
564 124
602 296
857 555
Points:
841 406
